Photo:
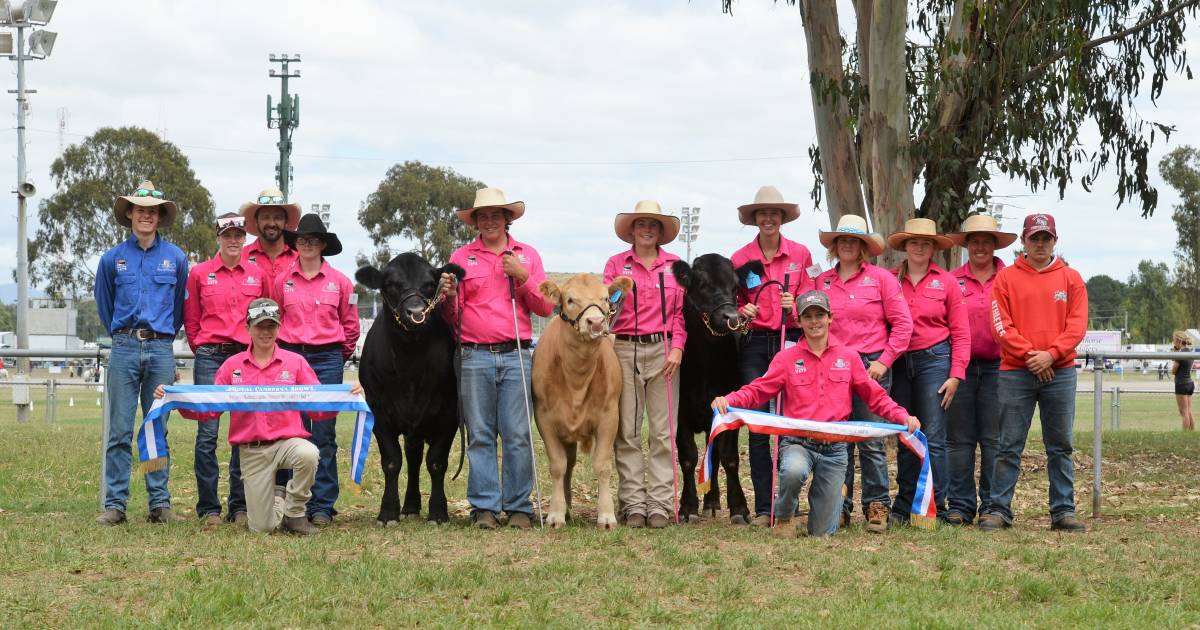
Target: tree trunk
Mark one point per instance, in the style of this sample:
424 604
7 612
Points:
839 162
866 152
891 169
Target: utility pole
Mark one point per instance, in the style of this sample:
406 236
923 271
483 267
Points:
285 117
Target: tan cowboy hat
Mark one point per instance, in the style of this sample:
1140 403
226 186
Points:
768 197
491 198
919 228
853 226
145 196
270 197
981 224
646 209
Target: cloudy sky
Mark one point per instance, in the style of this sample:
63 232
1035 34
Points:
579 109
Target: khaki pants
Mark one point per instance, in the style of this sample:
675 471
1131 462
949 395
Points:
264 510
645 483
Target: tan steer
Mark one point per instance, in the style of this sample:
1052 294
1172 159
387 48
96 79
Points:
576 388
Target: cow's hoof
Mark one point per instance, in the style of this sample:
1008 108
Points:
404 516
739 519
434 521
692 519
606 521
390 523
556 521
710 512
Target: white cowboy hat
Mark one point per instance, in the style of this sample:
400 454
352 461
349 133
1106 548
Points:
491 198
646 209
853 226
145 196
269 198
768 197
919 228
981 224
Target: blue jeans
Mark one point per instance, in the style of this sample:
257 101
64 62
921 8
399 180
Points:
825 462
329 368
1019 392
493 401
919 374
758 348
135 369
974 419
872 454
208 361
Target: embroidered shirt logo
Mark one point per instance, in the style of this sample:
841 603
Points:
289 286
1060 296
522 259
471 261
331 287
236 377
935 284
826 283
792 267
962 286
252 258
799 366
251 281
868 281
284 375
121 266
840 364
166 265
212 278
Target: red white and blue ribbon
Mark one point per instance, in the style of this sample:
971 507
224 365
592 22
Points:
923 505
152 435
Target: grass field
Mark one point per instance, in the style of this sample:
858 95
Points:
1137 567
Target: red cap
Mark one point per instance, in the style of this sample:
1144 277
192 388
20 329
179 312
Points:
1040 222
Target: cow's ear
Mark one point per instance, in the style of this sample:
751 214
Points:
682 273
452 269
745 270
369 277
624 284
550 291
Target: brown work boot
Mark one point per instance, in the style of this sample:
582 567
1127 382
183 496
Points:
992 522
635 521
761 520
657 521
519 520
110 517
162 515
877 517
1068 524
212 521
240 518
784 528
298 525
485 520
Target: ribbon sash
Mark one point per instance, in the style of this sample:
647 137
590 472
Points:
924 510
152 434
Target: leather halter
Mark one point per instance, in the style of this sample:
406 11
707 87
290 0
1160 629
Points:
418 319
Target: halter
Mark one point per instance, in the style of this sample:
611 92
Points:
709 315
575 322
419 318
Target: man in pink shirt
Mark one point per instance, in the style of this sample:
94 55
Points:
767 305
502 275
816 376
218 292
270 441
267 217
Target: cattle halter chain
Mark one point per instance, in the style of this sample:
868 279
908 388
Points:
706 317
419 318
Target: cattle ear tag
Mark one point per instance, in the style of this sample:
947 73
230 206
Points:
752 280
615 296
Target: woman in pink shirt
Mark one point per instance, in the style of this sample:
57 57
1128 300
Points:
873 318
974 415
928 373
645 493
320 323
767 303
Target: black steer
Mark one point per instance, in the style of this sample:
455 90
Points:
407 373
710 369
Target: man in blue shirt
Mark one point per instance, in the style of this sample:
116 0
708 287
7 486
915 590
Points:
139 292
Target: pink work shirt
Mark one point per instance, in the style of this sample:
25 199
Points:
284 368
214 308
869 311
272 269
648 317
483 296
320 310
818 387
938 313
978 298
792 259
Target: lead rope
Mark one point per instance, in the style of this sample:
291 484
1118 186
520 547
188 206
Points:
662 301
537 486
778 398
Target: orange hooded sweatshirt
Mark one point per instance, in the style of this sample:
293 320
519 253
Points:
1038 310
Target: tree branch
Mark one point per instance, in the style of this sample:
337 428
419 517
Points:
1109 38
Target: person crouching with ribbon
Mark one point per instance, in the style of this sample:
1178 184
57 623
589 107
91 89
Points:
817 377
268 441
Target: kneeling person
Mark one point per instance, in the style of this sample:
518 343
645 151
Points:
268 441
817 376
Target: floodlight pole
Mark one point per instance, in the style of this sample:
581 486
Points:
287 118
22 225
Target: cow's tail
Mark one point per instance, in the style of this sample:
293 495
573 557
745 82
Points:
462 449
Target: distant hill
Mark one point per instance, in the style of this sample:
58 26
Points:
8 293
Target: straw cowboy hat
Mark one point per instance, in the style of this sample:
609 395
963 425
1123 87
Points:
919 228
491 198
768 197
853 226
646 209
981 224
273 198
312 225
145 196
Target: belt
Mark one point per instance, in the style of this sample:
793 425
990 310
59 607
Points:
308 348
651 338
143 334
774 334
259 443
225 347
503 346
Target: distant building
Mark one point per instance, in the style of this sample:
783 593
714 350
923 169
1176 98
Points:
51 326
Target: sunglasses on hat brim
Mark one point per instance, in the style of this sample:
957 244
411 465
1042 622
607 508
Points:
255 312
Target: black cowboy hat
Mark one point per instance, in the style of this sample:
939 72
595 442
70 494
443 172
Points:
312 225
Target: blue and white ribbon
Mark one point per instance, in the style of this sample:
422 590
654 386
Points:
924 510
152 435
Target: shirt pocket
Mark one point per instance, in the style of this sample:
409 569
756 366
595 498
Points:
126 290
212 297
937 295
476 279
803 379
164 288
252 291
